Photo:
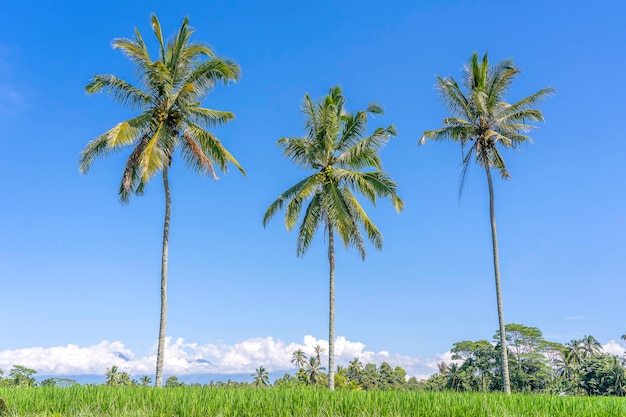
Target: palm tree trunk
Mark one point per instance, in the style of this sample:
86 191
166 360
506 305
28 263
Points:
496 268
166 232
331 319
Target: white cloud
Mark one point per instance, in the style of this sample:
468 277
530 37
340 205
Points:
614 348
182 358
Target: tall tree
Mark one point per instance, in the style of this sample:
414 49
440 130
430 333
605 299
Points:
484 122
336 149
170 91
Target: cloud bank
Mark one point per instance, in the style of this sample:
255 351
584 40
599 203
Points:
183 358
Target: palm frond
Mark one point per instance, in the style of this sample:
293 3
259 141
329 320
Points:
121 91
156 28
208 117
199 82
454 98
301 152
313 217
195 157
364 153
131 177
212 147
341 218
303 189
373 233
124 133
153 157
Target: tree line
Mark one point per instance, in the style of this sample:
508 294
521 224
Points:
537 365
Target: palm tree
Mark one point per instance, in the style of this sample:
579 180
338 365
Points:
336 149
355 367
145 380
313 370
443 368
169 96
261 377
113 376
590 346
624 336
483 122
318 352
298 358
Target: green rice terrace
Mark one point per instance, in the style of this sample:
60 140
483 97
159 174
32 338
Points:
83 401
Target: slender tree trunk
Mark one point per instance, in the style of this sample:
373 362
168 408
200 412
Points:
166 232
331 319
496 268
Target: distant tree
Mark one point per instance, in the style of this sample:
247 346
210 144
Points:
399 377
61 382
624 336
385 376
484 122
590 346
478 358
169 95
298 358
602 374
145 380
443 367
22 376
337 152
318 350
341 377
173 382
260 377
355 367
370 378
313 370
113 376
125 380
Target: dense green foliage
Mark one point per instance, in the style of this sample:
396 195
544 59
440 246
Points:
579 367
87 401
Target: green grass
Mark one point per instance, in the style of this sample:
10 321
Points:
84 401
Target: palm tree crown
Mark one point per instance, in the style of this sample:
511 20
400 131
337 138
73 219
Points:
481 119
169 96
336 149
170 117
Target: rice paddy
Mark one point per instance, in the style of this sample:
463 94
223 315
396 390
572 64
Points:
84 401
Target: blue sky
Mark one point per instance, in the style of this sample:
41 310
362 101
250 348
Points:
78 268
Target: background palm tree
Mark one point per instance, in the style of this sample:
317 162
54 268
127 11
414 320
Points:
113 376
298 358
590 346
313 369
171 89
145 380
336 149
261 377
318 350
483 121
624 336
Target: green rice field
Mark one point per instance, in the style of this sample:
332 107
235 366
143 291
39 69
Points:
83 401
